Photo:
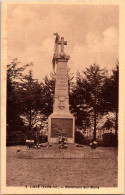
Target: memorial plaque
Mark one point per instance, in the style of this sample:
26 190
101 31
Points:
61 126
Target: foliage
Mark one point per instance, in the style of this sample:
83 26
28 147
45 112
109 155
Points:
109 139
30 98
43 138
95 79
78 99
47 95
14 78
79 137
92 94
110 94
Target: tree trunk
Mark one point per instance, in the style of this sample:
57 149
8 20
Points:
94 132
116 126
30 119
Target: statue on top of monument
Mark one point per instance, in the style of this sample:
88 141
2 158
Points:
56 42
56 50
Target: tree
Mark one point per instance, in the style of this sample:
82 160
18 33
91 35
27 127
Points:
110 94
78 99
115 82
14 77
48 95
30 96
95 78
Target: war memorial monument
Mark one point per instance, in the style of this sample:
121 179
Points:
61 122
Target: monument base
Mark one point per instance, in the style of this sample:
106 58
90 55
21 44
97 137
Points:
61 125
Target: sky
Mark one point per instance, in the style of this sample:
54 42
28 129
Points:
91 32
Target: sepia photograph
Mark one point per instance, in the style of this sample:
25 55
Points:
62 67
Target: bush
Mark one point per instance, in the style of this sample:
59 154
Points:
15 143
79 137
100 143
93 145
43 138
110 140
16 138
86 141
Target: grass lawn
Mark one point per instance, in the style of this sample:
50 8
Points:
96 172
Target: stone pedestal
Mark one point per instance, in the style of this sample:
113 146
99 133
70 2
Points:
61 125
61 121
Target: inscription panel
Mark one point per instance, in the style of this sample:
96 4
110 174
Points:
61 88
61 82
61 126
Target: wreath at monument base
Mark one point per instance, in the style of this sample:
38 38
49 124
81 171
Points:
62 142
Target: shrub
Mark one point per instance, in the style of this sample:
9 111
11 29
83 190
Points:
15 143
110 140
79 137
86 141
93 145
100 143
43 138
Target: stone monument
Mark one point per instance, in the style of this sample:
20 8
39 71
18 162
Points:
61 122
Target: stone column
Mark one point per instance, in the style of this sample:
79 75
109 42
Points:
61 121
